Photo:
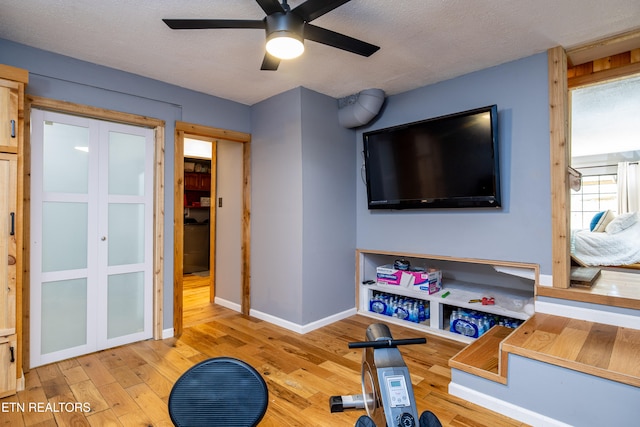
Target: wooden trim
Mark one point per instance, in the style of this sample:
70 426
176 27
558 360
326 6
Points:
15 74
246 228
158 233
136 120
212 221
603 48
189 129
586 295
93 112
199 130
604 75
24 174
178 230
560 146
514 264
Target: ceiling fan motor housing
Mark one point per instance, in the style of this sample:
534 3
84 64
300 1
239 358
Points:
284 22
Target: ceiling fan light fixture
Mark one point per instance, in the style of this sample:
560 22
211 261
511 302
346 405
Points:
285 45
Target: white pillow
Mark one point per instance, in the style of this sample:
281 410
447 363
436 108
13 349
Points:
622 222
604 220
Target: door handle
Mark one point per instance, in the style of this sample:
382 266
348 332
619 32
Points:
103 238
13 128
12 230
13 357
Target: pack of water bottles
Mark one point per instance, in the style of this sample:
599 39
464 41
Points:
405 308
473 324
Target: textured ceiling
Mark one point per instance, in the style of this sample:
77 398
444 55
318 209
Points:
421 41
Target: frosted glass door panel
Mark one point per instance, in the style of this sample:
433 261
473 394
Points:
64 315
126 164
66 158
91 271
64 236
125 304
126 233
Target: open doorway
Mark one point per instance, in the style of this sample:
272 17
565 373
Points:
189 209
199 229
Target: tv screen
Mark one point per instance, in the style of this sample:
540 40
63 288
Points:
443 162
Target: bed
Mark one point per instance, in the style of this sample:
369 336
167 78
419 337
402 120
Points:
610 241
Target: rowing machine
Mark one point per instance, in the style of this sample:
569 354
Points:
387 393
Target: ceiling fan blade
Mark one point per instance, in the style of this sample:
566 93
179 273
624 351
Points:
331 38
270 62
199 24
312 9
270 6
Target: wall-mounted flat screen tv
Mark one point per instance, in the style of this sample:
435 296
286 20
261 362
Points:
443 162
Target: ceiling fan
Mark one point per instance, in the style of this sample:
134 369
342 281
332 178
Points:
286 29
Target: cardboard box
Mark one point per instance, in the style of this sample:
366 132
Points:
429 280
434 282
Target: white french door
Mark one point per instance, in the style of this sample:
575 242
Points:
91 235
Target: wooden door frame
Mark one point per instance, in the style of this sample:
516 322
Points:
158 200
607 53
188 129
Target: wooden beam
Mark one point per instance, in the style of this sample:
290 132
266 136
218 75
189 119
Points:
603 48
559 140
603 75
246 228
178 230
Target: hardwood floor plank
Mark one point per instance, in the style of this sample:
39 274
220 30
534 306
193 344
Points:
75 375
104 419
153 407
66 417
95 370
12 412
598 346
624 357
87 392
126 376
568 343
119 401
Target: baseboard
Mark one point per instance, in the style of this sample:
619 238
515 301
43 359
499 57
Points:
167 333
545 280
505 408
302 329
588 314
228 304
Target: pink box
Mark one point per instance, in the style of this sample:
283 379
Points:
430 280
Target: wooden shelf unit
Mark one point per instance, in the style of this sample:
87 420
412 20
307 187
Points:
197 183
459 291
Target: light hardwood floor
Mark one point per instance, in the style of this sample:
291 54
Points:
130 385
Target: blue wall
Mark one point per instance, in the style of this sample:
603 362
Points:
329 209
521 229
59 77
303 208
276 206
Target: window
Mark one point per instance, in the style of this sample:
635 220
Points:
598 193
603 135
